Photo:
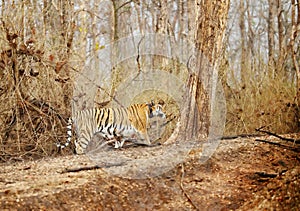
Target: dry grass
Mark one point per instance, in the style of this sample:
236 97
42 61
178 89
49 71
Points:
33 108
35 88
262 102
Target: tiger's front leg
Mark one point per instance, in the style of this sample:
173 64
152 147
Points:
119 144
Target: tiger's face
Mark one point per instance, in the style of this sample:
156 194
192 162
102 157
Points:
155 110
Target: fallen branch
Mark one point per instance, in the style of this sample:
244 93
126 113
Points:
87 168
266 175
184 192
295 141
295 149
240 136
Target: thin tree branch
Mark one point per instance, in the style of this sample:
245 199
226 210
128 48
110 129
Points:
184 192
138 56
124 4
294 149
87 168
295 141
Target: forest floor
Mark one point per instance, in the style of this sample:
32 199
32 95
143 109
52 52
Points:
242 174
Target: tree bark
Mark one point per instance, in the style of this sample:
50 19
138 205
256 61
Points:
294 47
244 63
211 22
271 42
281 38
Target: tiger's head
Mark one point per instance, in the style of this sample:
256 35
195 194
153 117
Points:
155 110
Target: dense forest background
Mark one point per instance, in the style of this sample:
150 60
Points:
46 44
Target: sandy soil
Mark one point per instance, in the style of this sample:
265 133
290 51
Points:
243 174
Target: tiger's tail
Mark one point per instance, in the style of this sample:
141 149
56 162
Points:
69 135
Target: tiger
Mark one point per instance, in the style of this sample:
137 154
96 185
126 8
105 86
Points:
113 124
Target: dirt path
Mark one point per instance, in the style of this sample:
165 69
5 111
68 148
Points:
243 174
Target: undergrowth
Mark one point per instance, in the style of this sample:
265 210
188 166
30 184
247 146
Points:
261 102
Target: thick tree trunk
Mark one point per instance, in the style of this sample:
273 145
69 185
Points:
211 21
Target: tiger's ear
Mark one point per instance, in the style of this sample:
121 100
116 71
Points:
152 103
161 102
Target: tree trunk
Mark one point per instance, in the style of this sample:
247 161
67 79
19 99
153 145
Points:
244 61
211 21
281 38
271 42
294 47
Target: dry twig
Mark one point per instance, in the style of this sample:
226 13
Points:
184 192
295 149
295 141
87 168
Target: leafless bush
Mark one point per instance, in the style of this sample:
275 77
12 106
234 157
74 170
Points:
34 86
263 101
